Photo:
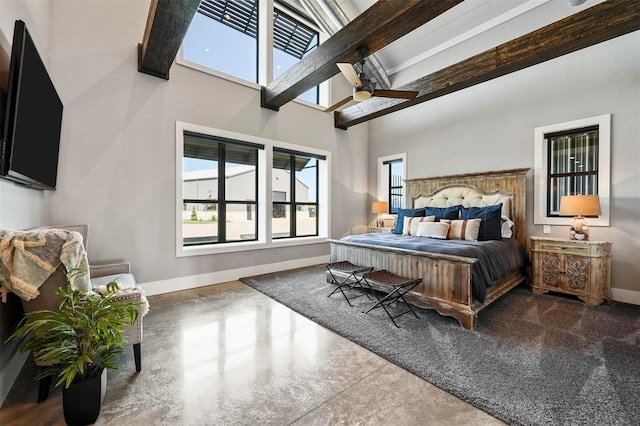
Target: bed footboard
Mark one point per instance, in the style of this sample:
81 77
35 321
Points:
446 279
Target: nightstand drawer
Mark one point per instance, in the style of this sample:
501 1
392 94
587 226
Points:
566 248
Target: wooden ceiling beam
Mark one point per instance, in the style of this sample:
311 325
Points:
597 24
381 24
167 24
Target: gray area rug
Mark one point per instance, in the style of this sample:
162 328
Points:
533 359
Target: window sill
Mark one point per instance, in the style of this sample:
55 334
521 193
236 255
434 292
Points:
246 246
188 64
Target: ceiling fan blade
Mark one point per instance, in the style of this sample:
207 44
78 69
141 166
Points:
339 104
400 94
350 74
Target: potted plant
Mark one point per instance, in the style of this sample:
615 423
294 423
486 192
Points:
77 343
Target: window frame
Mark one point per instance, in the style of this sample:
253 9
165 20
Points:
384 184
265 64
292 203
541 167
264 194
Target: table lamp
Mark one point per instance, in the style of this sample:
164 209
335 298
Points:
379 207
579 206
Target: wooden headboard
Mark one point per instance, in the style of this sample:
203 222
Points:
475 189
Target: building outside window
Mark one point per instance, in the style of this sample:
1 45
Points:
238 192
295 194
220 188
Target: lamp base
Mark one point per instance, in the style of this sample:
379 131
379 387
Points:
579 229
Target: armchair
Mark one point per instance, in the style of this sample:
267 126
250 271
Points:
100 276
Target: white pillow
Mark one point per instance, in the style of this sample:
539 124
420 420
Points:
507 226
437 230
464 229
410 226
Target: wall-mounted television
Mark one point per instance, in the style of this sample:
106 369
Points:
32 117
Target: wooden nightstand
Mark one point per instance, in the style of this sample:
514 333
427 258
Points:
573 267
374 229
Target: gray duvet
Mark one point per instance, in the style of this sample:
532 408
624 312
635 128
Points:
495 258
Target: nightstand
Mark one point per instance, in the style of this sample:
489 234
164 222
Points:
374 229
581 268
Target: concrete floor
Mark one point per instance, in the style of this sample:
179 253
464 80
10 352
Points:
228 355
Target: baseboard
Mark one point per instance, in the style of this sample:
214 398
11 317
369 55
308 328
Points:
195 281
10 371
625 296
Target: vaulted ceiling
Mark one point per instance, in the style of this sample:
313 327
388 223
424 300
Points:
434 47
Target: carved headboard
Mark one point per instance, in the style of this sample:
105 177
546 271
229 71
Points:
476 189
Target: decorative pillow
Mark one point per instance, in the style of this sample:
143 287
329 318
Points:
437 230
491 225
463 229
507 227
411 224
452 212
406 212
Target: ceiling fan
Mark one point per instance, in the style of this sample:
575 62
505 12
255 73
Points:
363 88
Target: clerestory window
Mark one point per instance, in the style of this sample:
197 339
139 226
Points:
223 36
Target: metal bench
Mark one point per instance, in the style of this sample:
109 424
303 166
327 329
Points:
399 285
347 276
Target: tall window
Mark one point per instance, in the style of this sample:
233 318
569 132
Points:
572 165
395 184
223 36
295 193
571 158
220 190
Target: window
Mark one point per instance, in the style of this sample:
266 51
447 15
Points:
220 187
292 40
572 166
237 192
571 159
295 194
391 176
236 22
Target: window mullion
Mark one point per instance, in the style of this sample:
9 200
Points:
265 42
222 195
292 185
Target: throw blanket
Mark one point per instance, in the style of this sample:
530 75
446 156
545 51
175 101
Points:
28 258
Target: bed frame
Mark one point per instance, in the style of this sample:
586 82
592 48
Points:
446 285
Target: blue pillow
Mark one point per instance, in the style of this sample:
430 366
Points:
408 213
491 223
451 212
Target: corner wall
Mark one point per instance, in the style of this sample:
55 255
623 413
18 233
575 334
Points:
490 126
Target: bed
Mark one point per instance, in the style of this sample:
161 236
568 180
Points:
449 276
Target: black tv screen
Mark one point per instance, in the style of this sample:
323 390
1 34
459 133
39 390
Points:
32 119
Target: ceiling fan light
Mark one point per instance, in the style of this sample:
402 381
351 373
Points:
360 94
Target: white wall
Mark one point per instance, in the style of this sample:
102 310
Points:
20 207
117 156
490 127
117 160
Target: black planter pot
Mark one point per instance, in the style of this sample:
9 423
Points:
81 402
